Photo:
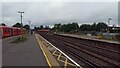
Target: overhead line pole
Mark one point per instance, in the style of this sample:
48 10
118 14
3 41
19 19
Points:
29 23
21 16
109 19
29 26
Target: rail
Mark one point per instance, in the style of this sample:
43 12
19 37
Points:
63 54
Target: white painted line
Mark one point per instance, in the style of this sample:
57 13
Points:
63 54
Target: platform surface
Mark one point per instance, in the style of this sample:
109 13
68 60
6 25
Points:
89 37
23 54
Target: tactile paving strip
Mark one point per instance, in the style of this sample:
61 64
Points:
60 57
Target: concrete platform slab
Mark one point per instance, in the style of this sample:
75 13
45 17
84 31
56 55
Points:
27 53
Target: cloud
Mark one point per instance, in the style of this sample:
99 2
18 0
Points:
59 0
49 13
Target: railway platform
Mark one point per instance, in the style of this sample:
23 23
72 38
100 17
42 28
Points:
90 37
27 53
34 52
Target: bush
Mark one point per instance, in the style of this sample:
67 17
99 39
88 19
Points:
100 36
118 37
22 38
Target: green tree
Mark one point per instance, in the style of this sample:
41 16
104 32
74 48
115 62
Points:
57 27
100 26
46 27
27 27
17 25
85 27
35 27
70 27
3 24
65 28
41 27
74 26
93 27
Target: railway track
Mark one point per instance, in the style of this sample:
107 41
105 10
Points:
103 45
87 55
114 54
108 53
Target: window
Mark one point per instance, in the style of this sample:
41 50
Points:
8 30
14 30
4 29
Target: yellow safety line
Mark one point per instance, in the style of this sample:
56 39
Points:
59 56
44 53
62 60
54 52
66 63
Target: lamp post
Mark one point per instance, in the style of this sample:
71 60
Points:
29 26
109 19
21 17
29 23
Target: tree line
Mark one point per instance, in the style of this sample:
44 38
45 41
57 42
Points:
19 25
70 27
41 27
74 27
101 26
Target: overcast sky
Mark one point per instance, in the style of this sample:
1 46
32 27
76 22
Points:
49 13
